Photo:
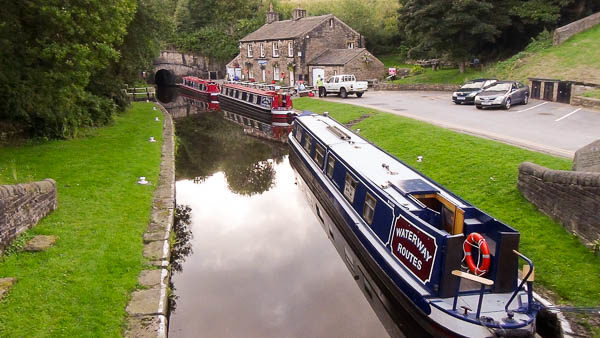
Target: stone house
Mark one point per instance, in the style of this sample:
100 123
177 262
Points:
283 50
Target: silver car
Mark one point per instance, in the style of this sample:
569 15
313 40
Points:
503 94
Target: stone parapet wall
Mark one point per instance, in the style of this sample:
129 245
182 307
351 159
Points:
423 87
23 205
570 197
563 33
585 102
588 158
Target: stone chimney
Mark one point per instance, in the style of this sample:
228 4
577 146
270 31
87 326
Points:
271 15
298 13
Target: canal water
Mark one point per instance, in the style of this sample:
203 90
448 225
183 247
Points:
252 259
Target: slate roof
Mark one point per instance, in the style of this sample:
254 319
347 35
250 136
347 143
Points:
286 29
335 57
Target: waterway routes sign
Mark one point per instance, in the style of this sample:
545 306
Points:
414 248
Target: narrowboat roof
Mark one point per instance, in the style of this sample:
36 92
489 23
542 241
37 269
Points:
371 163
194 78
249 89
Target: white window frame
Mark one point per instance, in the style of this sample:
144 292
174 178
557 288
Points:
275 49
350 185
291 49
249 50
369 208
350 45
319 155
262 50
276 75
330 165
331 23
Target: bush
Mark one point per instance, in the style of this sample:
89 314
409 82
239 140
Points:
416 69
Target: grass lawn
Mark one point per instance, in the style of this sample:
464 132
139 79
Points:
484 172
575 59
80 287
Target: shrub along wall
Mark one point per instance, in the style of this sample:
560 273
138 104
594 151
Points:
23 205
410 86
571 197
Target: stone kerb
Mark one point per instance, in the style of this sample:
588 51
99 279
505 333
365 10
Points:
148 308
570 197
23 205
423 87
563 33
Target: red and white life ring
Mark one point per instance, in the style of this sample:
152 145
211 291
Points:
476 240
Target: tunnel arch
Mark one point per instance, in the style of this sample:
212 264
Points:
164 77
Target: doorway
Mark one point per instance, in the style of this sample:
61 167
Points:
315 75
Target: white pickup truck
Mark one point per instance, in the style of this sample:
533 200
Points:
344 85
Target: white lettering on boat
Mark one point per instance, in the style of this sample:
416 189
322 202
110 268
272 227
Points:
413 238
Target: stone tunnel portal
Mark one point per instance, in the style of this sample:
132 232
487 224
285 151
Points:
164 77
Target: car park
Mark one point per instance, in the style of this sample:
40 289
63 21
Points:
467 93
502 94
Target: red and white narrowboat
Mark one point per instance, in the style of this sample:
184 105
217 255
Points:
264 104
275 131
206 89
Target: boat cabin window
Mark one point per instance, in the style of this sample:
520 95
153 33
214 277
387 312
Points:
369 208
244 96
319 155
298 134
307 143
452 217
330 166
350 187
251 98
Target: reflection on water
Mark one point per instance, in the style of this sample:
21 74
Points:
260 264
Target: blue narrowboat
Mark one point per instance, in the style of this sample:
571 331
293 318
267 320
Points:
451 266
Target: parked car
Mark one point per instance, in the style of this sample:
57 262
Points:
466 93
503 94
344 85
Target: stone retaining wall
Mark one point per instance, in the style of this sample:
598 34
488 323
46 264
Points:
148 307
423 87
570 197
23 205
563 33
585 102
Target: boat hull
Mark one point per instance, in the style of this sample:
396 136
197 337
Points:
403 300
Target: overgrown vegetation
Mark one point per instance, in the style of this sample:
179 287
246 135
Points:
81 285
595 94
575 59
63 63
484 172
461 31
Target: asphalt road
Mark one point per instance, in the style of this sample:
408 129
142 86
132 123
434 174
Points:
554 128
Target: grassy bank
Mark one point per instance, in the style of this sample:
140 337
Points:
575 59
484 173
82 284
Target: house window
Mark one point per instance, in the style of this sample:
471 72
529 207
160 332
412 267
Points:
330 166
369 208
275 49
319 155
262 50
276 73
350 188
350 45
249 50
330 23
290 49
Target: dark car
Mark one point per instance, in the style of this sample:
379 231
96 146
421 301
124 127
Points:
503 94
466 93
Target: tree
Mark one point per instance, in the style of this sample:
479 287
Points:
455 29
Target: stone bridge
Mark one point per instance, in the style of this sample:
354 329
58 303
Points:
171 66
